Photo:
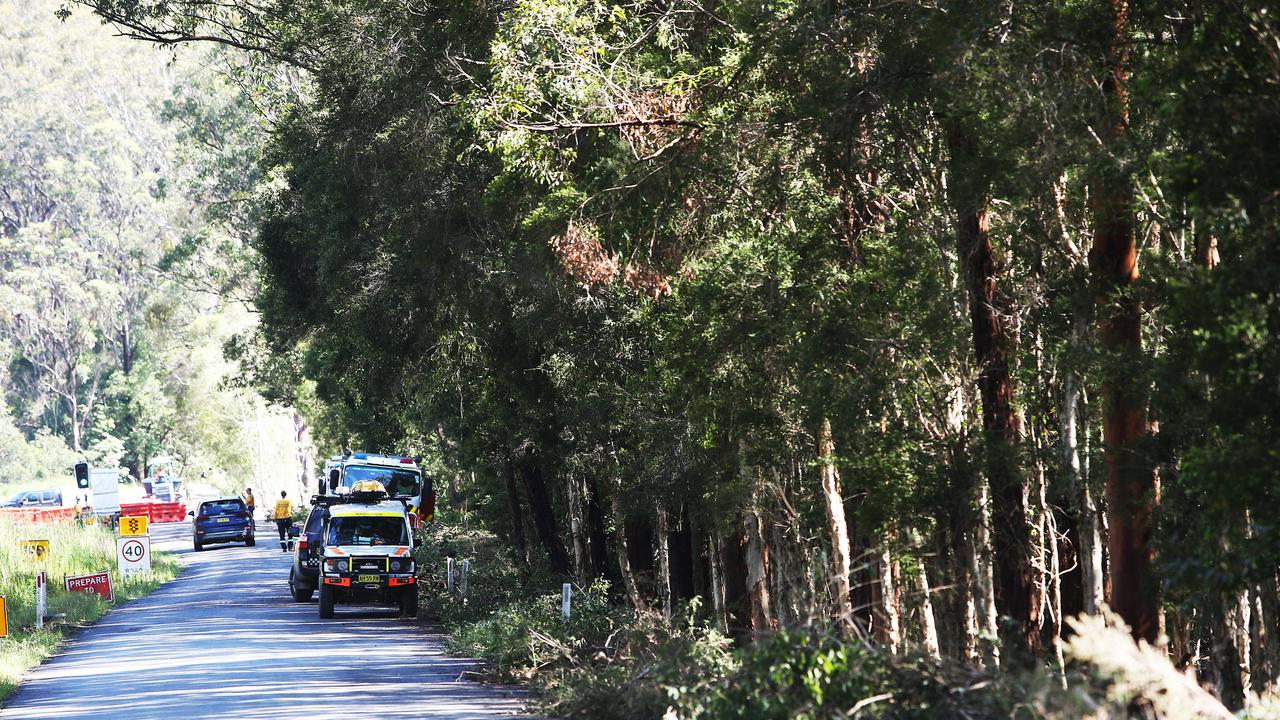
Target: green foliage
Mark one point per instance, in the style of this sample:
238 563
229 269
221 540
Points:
643 251
811 676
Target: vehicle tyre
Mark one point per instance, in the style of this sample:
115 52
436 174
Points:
409 602
299 591
198 547
326 602
250 541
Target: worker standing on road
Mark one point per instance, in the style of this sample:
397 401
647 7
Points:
249 504
284 519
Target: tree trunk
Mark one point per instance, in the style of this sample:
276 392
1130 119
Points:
928 625
544 518
888 623
1131 479
1240 619
664 560
994 338
518 540
578 530
1226 660
302 450
715 569
980 573
1086 511
126 348
837 527
624 553
1266 636
757 560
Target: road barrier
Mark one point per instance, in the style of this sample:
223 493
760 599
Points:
39 515
156 512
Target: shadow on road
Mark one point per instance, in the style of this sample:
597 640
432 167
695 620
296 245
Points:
226 640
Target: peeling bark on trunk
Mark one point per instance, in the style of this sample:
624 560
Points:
928 625
1113 259
1240 619
994 338
715 569
664 560
757 561
1226 662
888 623
838 529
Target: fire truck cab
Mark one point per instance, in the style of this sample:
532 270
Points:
401 477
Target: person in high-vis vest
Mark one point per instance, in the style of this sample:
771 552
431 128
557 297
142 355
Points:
284 519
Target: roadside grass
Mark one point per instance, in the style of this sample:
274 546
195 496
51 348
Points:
73 550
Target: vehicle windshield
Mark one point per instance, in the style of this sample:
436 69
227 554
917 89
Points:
17 497
368 531
397 481
222 507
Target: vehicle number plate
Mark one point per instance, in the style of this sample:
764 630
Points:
369 578
224 519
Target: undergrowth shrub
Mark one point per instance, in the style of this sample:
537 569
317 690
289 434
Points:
609 662
494 579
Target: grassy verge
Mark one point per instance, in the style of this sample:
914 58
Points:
74 550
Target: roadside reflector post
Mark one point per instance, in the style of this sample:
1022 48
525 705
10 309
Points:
4 618
462 578
448 575
42 598
566 600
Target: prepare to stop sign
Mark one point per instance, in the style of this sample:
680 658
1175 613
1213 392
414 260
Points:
133 554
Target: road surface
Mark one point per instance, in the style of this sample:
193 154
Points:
224 640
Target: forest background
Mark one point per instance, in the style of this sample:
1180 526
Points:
124 174
913 329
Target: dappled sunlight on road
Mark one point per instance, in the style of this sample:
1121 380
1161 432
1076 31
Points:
225 640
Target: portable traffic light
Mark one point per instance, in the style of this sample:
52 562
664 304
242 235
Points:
82 475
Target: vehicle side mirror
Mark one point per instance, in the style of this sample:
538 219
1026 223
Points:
191 513
295 532
334 477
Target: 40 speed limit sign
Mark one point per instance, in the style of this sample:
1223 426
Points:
133 554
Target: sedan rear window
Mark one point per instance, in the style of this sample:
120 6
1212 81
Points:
222 507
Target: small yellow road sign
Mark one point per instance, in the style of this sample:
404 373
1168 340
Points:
39 549
4 618
133 525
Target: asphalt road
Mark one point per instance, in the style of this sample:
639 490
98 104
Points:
224 640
